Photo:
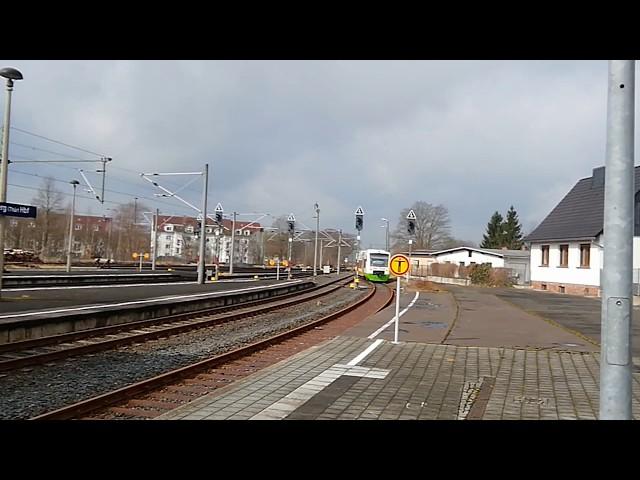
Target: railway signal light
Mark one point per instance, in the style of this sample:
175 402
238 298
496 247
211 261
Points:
411 223
219 210
411 227
359 218
291 224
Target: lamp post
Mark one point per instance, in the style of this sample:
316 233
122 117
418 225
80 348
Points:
387 233
10 74
315 248
75 183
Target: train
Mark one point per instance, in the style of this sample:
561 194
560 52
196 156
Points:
373 265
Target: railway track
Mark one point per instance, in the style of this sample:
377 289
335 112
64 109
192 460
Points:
46 349
152 397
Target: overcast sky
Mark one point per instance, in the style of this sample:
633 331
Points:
475 136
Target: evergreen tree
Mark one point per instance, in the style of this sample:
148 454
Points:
512 231
494 235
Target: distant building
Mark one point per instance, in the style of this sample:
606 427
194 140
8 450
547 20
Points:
515 260
179 237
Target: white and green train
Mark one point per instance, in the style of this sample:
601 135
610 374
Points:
373 265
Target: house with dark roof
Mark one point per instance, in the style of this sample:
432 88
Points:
567 247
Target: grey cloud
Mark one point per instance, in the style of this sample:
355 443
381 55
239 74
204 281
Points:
476 136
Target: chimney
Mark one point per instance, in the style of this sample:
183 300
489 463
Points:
597 181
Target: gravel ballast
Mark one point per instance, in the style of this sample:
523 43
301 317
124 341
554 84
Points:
31 391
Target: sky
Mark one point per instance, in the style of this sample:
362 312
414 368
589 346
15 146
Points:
475 136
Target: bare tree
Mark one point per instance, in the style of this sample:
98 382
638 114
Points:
128 237
49 201
433 227
279 245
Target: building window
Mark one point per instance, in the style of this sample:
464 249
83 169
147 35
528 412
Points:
96 228
561 289
167 237
178 242
543 286
238 232
545 256
247 233
189 229
564 255
167 247
470 253
78 227
585 253
168 228
209 229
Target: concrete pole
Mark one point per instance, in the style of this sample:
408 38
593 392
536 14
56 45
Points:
315 247
321 242
338 258
615 362
409 271
110 248
4 174
73 210
233 242
290 244
218 252
203 228
154 239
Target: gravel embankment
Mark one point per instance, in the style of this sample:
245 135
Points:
35 390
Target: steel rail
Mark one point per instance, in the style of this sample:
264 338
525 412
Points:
164 326
125 393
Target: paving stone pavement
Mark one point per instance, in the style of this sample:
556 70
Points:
413 381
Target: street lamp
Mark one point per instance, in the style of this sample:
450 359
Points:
387 236
315 248
10 74
75 183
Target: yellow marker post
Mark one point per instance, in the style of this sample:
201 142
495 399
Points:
398 265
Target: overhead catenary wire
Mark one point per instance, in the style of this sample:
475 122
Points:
74 159
44 150
58 142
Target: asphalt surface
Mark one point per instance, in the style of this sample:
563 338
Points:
16 300
581 314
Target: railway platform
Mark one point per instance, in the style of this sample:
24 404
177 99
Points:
462 355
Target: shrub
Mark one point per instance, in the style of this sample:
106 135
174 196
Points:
481 274
490 277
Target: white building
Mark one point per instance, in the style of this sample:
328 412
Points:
567 247
516 260
178 237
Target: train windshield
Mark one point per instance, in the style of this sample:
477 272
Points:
379 260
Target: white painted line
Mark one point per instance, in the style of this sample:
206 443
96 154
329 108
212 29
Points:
76 287
386 325
92 276
120 285
305 392
362 355
153 300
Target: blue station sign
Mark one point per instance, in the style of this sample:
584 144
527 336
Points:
17 210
